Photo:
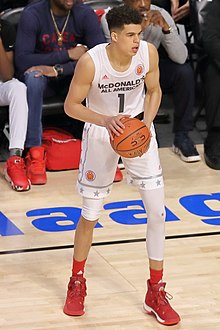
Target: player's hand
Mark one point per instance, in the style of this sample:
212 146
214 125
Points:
42 70
76 52
114 125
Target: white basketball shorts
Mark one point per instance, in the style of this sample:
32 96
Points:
99 161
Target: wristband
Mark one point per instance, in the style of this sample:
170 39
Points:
167 31
59 69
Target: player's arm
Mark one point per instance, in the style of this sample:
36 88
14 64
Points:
79 88
153 94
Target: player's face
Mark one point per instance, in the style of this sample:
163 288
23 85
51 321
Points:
142 6
63 4
128 39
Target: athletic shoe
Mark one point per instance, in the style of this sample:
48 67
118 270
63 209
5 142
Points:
156 302
184 147
76 293
212 150
36 166
118 175
15 173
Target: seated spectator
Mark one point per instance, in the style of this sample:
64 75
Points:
176 74
210 31
52 35
13 94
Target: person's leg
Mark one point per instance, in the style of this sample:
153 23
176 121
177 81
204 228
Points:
98 163
212 110
13 94
146 173
156 298
178 79
35 93
35 159
74 304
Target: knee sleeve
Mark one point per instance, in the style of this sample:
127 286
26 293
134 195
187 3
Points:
154 204
92 208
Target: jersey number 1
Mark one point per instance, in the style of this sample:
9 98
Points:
121 102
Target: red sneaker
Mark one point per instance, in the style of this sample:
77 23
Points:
118 175
76 293
36 165
156 302
15 173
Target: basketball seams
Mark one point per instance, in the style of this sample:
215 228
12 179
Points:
135 130
127 137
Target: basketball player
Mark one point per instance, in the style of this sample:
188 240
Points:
112 77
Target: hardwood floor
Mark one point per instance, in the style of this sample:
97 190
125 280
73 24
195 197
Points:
37 229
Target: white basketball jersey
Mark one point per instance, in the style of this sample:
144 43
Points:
113 92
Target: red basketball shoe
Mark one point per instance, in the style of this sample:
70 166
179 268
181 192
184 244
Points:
15 173
36 165
156 302
76 293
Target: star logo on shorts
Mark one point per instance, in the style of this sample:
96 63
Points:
142 185
96 193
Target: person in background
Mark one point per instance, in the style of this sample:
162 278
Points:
176 74
52 35
210 32
126 67
179 9
13 94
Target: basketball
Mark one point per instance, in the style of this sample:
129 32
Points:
134 141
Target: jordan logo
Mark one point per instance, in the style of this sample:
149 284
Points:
105 77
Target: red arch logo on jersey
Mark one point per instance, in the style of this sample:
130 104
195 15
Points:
139 69
90 175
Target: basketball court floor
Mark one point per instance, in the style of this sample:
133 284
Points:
37 229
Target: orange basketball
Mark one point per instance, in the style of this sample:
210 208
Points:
135 139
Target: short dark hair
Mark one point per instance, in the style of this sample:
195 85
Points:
122 15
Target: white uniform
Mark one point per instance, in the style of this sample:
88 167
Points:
111 93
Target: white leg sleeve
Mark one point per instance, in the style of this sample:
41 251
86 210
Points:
13 94
92 208
154 204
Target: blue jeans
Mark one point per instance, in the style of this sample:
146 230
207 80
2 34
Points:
39 88
178 79
35 92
